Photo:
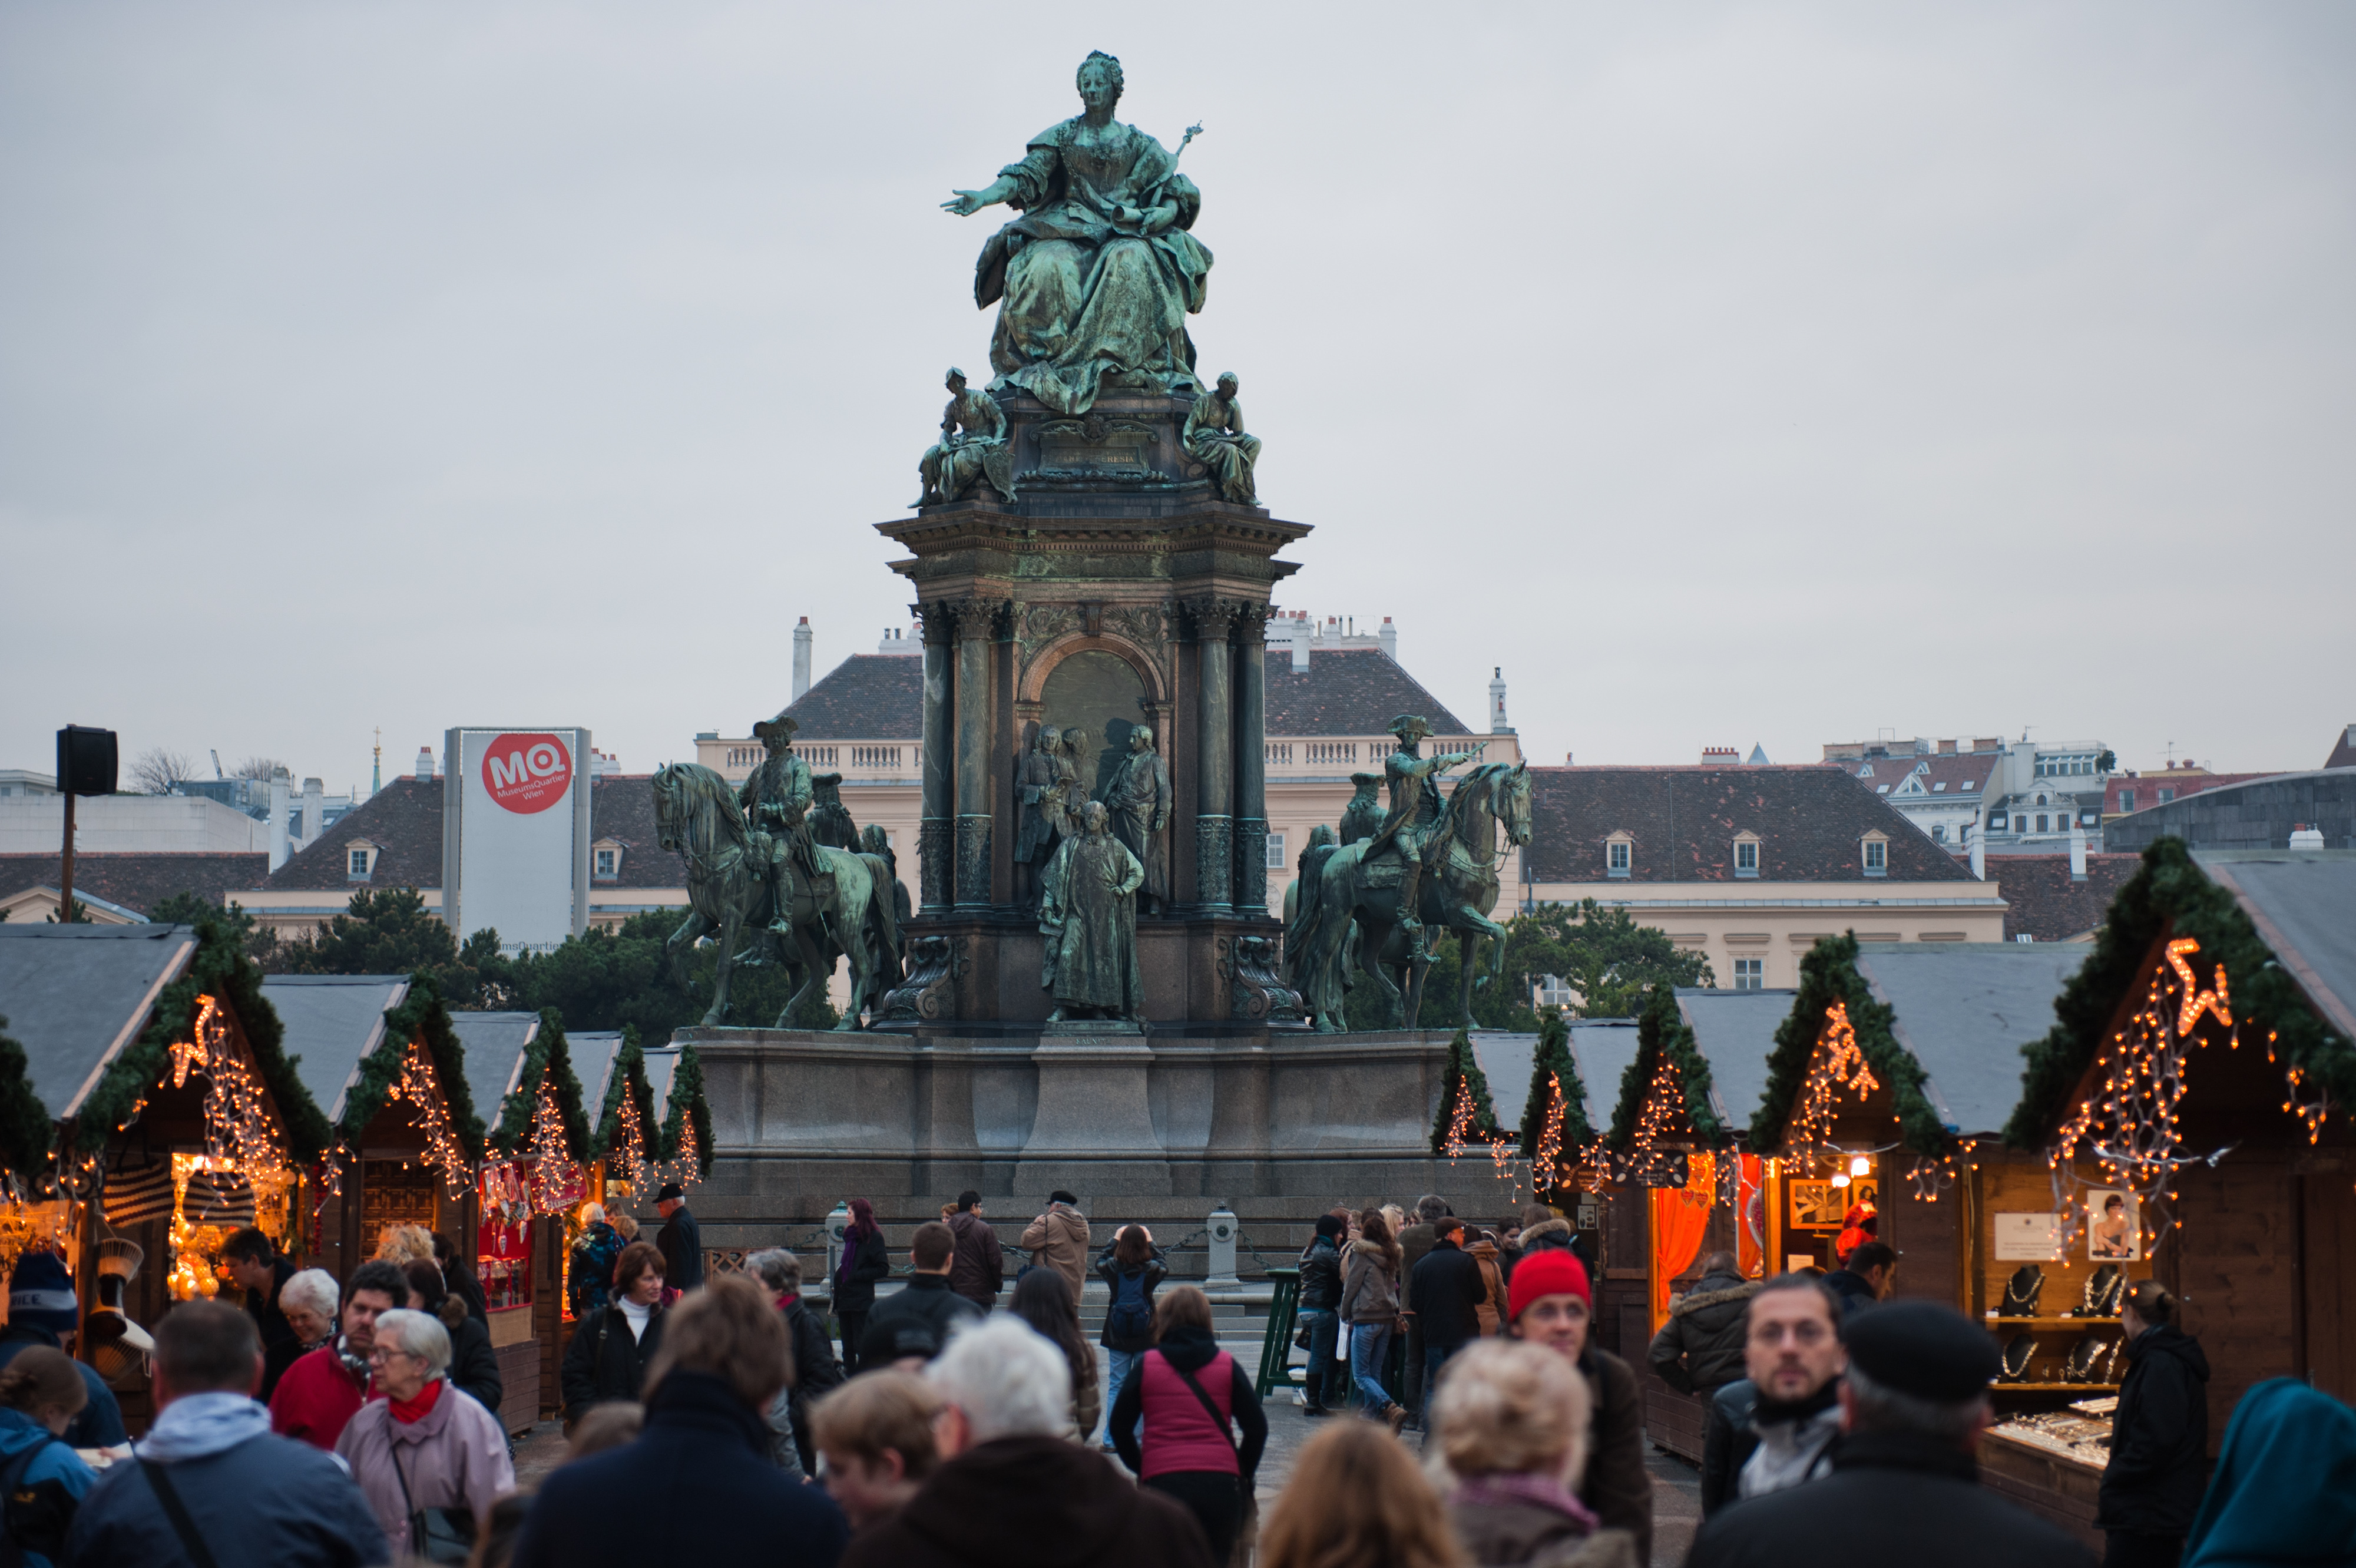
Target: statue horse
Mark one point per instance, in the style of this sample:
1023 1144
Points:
1460 889
728 890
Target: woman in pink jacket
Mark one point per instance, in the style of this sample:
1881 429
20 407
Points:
1190 1393
424 1451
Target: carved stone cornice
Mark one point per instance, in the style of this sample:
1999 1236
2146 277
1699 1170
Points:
1214 616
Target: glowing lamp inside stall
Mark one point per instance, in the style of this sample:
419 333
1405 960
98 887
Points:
1860 1166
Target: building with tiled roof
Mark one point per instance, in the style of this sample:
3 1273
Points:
394 840
2023 794
1330 694
1940 794
1750 865
2343 750
132 884
2045 901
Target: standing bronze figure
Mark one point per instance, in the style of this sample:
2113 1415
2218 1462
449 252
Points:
1139 796
1215 437
1087 912
1039 799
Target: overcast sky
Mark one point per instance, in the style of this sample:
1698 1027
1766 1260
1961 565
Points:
1733 374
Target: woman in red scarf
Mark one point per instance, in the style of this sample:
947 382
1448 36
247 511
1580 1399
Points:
429 1458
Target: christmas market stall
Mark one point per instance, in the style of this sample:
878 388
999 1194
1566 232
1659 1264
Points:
535 1182
150 1110
626 1134
1682 1187
2189 1112
381 1053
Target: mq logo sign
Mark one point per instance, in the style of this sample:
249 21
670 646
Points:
526 773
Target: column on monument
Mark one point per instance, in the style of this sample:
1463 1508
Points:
936 835
1214 756
977 623
1251 761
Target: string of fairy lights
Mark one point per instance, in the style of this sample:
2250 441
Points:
419 1086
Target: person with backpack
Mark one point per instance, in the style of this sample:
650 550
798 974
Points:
41 1480
1189 1393
1131 1270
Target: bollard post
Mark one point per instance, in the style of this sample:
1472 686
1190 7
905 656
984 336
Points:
1223 1227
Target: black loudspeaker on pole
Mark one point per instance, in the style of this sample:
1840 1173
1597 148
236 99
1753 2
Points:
85 764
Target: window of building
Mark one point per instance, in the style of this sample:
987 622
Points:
1276 861
1749 974
1618 855
1998 821
608 863
2164 796
1877 856
1746 856
2127 799
1938 833
1865 771
358 866
1552 992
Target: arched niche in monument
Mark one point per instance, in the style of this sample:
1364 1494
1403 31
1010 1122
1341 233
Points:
1100 692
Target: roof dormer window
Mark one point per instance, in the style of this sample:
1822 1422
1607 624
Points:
1876 848
360 860
1618 856
1865 771
605 860
1746 854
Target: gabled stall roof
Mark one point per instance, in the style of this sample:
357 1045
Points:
76 995
1504 1057
2304 905
593 1055
1602 1049
1963 1010
333 1022
1735 1032
495 1045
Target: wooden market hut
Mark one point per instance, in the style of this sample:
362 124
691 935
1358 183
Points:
381 1054
1683 1187
536 1178
627 1127
148 1103
675 1073
2201 1067
1891 1080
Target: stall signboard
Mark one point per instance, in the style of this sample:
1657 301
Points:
516 834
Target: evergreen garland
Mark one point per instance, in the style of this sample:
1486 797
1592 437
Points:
1661 1030
1828 975
1552 1062
629 1079
1463 1068
686 1105
547 1054
2171 896
420 1014
27 1130
221 969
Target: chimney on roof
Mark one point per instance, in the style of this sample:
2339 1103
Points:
279 788
1570 759
1922 745
315 810
2077 853
1388 639
1720 757
1497 724
1301 631
425 765
801 657
1979 851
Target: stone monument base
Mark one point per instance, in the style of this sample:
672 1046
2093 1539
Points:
1154 1124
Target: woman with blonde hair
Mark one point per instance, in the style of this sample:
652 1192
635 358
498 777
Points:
1356 1501
402 1245
1509 1440
1370 1304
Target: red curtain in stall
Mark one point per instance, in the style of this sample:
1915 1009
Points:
1680 1216
1751 1217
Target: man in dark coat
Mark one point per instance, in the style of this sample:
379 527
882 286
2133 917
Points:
1699 1349
979 1272
1775 1428
2160 1435
252 1496
915 1321
1006 1390
704 1454
1320 1301
680 1240
1445 1292
1414 1240
258 1269
1865 1279
1915 1402
43 1310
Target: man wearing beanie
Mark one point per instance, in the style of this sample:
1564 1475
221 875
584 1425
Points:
1548 1302
43 1310
1912 1408
1320 1302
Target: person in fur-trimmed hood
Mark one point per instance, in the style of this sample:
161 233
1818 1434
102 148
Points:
1701 1348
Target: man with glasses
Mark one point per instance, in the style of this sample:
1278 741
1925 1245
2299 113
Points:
324 1388
1771 1431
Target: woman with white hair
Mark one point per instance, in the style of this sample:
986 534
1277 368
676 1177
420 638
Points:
430 1461
1509 1442
309 1299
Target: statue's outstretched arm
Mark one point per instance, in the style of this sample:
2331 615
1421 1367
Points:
966 203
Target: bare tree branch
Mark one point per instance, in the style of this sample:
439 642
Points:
256 767
157 769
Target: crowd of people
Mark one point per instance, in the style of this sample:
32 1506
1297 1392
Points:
954 1421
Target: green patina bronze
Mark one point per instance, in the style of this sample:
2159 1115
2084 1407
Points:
1087 912
972 447
1216 438
1093 282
